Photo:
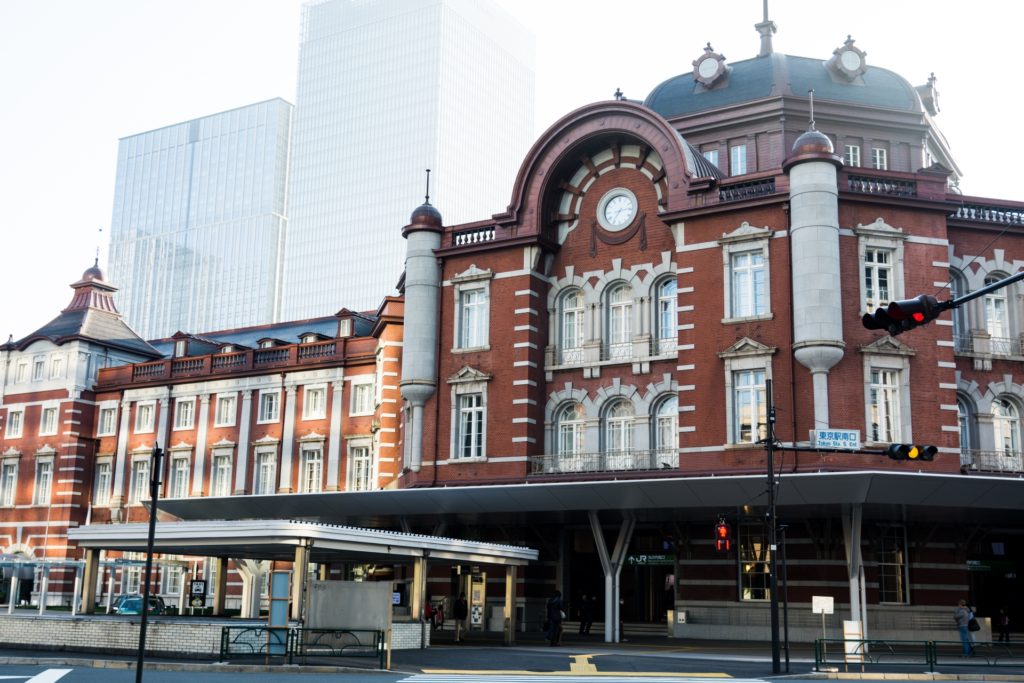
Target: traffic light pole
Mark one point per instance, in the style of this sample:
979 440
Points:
772 525
986 289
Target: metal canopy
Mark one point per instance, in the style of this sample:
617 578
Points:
276 539
913 495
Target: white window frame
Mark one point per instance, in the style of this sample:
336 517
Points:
320 404
21 374
264 471
180 348
711 155
226 410
103 477
618 321
363 394
184 413
738 159
746 239
220 472
884 405
8 482
170 579
311 467
883 237
571 326
138 488
106 419
898 362
145 417
851 155
1006 427
666 314
749 388
269 406
880 158
361 475
474 334
570 432
15 423
749 358
46 427
665 427
57 367
997 317
472 382
38 368
179 474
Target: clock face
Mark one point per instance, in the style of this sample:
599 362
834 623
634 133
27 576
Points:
707 67
619 210
850 60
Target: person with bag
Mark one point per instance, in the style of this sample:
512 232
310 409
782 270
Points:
962 617
555 616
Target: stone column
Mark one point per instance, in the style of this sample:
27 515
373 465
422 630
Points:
243 443
199 470
287 441
89 581
334 441
117 499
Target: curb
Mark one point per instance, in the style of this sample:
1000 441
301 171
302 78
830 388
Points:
196 667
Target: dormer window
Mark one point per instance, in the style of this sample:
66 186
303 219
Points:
345 327
308 338
180 348
227 348
267 343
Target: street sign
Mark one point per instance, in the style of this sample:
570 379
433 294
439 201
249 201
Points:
822 604
840 439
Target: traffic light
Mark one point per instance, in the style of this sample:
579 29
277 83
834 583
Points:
723 537
907 451
900 316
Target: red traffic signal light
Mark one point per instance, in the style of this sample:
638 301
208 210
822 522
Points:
723 537
906 451
900 316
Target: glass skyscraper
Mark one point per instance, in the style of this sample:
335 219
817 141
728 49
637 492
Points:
199 221
387 89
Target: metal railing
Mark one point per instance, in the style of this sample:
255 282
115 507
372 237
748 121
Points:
609 461
1005 461
747 190
996 346
884 186
240 642
622 352
833 652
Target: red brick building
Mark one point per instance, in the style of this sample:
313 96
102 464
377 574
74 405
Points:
588 372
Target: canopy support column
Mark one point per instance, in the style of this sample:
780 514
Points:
510 604
300 570
219 592
612 567
852 524
89 575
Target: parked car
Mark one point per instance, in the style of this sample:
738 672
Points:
132 604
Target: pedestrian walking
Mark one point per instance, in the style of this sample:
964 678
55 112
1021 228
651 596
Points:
1004 626
962 617
555 616
586 613
460 613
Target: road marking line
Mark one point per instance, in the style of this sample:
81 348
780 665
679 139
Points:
49 676
595 673
581 664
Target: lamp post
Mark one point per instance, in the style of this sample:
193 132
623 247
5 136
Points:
772 544
154 493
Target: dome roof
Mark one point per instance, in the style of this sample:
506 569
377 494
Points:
94 273
778 75
425 214
813 142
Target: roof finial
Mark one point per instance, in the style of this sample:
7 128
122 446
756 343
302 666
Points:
810 95
619 94
428 187
766 28
97 262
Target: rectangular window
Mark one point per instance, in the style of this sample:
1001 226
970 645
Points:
473 318
8 482
101 484
184 413
749 405
738 160
220 475
884 404
139 490
179 478
711 155
471 426
360 468
877 277
133 579
180 347
57 367
106 424
892 579
314 403
270 406
748 297
851 155
880 158
15 420
266 473
21 374
755 563
170 580
362 399
44 482
48 421
38 369
225 415
144 417
311 472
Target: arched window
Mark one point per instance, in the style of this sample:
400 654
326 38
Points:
569 434
570 333
665 316
666 432
619 318
965 419
961 335
996 321
617 435
1006 427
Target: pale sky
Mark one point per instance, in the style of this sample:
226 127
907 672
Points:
76 75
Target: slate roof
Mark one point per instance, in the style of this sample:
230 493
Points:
779 75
